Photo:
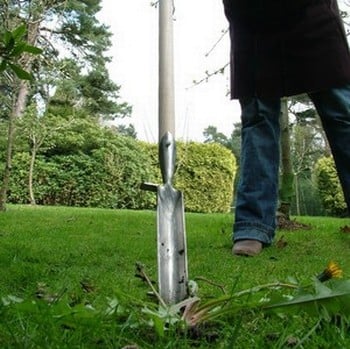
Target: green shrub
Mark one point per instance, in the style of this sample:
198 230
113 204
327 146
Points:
205 174
18 186
127 165
77 182
329 187
151 150
109 177
44 180
60 180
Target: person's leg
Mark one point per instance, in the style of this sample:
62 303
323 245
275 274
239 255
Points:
333 106
257 191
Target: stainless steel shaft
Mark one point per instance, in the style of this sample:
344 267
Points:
171 235
166 99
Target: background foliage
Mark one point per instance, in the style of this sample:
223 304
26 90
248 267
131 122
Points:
53 125
93 166
87 164
206 174
329 187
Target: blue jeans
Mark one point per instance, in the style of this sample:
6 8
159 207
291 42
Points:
257 191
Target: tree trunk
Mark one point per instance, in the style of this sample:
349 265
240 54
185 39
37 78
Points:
7 170
30 177
286 187
17 110
297 194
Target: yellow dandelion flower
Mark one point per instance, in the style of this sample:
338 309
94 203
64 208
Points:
332 271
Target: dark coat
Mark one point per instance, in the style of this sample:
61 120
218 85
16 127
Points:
286 47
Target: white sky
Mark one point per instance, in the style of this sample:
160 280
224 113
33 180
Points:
198 26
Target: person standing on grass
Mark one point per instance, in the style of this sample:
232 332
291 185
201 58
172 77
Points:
283 48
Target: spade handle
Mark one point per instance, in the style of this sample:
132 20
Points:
166 112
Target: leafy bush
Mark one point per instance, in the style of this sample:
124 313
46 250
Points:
206 174
76 182
18 186
109 177
127 165
60 180
331 193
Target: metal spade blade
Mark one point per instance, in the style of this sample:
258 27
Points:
171 234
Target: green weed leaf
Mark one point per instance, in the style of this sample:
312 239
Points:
334 300
21 73
19 32
32 49
18 49
8 41
3 65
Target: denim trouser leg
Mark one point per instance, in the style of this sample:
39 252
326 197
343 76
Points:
257 191
333 106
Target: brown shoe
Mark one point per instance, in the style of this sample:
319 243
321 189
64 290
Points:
247 248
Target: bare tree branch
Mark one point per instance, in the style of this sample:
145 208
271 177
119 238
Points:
208 75
223 33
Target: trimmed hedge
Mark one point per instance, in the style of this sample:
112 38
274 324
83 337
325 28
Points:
204 173
331 193
110 176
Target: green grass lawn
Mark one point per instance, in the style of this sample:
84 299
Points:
88 256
